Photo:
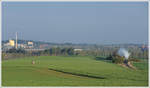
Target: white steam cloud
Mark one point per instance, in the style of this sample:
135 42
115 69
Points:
123 52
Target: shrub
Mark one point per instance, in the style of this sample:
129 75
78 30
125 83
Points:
117 59
109 57
135 60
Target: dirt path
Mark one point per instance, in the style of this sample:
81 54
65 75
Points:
131 66
128 65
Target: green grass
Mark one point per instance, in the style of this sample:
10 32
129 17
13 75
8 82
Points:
20 72
141 65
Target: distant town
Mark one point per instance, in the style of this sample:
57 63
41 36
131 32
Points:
38 45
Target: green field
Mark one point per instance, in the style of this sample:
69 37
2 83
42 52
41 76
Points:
70 71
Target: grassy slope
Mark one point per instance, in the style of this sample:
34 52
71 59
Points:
20 72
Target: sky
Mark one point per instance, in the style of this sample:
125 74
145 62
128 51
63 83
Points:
76 22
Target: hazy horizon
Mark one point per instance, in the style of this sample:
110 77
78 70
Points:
81 43
76 22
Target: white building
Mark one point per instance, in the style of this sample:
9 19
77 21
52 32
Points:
78 49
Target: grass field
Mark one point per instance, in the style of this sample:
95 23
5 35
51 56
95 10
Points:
70 71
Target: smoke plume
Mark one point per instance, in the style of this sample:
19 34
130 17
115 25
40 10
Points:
123 52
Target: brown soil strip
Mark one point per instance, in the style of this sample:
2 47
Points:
128 65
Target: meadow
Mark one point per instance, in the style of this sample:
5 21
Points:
71 71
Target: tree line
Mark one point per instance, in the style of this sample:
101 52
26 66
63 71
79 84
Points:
135 52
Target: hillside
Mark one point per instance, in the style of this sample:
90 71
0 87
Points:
69 71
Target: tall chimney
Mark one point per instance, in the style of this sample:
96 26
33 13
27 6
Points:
16 41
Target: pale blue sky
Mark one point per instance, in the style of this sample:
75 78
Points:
76 22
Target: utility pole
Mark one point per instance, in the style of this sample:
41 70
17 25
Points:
16 41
